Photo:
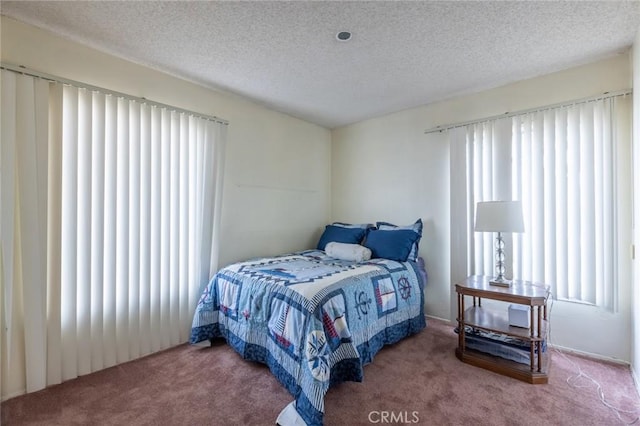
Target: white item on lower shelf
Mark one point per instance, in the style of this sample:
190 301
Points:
519 316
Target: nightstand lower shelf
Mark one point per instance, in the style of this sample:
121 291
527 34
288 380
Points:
505 366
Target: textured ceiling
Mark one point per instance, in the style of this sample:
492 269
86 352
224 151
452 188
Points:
402 54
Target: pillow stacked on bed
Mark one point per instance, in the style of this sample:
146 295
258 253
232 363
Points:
343 233
416 228
386 240
352 252
392 245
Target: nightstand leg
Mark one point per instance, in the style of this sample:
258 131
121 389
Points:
539 356
532 359
540 336
461 322
539 322
531 322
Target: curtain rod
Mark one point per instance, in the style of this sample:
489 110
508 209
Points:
33 73
605 95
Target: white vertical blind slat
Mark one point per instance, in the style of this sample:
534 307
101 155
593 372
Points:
7 187
145 230
183 247
476 191
516 191
219 147
54 243
110 212
192 206
609 197
69 231
487 187
174 218
537 199
459 171
42 88
573 203
198 199
466 158
206 226
587 205
560 283
155 231
549 194
97 229
502 153
7 210
31 125
527 207
599 166
122 232
164 227
133 296
83 260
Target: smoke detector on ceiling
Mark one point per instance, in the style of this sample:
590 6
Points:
343 36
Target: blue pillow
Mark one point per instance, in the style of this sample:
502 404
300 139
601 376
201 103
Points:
354 225
415 227
341 234
393 245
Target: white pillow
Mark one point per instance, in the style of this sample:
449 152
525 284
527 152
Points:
344 251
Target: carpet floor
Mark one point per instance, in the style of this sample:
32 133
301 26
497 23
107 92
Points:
416 381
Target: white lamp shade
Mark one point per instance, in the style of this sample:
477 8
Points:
499 216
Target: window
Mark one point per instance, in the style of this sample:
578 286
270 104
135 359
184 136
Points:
565 165
117 206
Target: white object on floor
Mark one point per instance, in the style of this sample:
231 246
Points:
289 416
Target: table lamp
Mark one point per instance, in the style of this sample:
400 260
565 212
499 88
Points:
499 216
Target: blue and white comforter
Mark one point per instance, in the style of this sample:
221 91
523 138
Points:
314 320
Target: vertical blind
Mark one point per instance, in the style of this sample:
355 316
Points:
561 163
23 217
118 215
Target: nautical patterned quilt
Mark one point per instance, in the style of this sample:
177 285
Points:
314 320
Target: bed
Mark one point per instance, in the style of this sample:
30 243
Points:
313 318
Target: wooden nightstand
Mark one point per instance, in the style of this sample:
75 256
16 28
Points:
477 317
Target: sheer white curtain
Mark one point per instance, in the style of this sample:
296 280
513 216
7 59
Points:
116 235
562 164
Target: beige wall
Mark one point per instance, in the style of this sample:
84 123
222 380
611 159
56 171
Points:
387 169
277 171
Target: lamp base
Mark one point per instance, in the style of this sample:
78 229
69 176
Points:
500 282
